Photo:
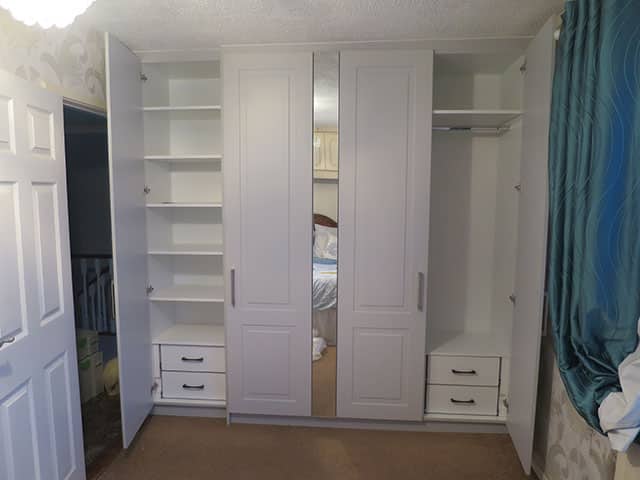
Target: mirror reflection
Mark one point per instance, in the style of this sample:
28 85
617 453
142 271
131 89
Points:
325 232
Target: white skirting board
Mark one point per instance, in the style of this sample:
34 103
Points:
628 464
450 427
180 411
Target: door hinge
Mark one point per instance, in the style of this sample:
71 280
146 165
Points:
143 77
149 289
146 190
154 387
512 298
505 402
518 187
523 68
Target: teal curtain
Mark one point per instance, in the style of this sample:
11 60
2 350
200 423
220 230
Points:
594 180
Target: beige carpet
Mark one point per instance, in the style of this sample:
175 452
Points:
180 448
323 400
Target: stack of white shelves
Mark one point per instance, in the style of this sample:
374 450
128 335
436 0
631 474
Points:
183 166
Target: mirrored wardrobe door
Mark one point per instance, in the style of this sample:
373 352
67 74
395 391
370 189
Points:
325 232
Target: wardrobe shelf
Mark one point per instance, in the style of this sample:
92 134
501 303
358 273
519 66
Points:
189 293
486 419
184 205
474 118
189 249
185 108
471 344
193 335
183 402
184 158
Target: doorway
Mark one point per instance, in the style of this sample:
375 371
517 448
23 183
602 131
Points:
87 165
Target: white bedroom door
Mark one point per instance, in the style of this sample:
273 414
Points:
40 424
532 244
268 226
385 166
128 230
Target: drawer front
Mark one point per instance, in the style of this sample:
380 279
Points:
193 385
192 359
462 400
449 370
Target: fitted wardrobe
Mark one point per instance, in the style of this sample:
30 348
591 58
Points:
442 205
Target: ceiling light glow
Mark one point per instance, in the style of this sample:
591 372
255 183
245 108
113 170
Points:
46 13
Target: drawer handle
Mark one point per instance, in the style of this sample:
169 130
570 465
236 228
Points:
463 402
193 387
463 372
197 360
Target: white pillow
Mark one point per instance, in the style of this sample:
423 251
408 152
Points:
325 243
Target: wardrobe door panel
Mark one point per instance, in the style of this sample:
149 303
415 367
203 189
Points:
532 244
129 237
268 206
385 144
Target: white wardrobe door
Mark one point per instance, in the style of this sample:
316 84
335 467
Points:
532 244
40 422
128 226
268 225
385 163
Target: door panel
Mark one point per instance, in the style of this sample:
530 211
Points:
268 225
40 424
129 235
532 244
385 144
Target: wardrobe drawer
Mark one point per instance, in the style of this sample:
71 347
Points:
192 359
462 400
450 370
197 386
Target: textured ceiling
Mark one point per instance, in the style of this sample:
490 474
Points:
189 24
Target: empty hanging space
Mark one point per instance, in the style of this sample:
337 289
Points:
473 233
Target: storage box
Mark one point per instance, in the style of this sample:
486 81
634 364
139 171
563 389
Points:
90 371
87 343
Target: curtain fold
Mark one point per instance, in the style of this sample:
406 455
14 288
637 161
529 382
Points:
594 182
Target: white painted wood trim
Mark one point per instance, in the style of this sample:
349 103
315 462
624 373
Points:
455 45
189 411
451 427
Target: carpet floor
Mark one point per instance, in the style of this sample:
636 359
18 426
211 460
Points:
323 393
183 448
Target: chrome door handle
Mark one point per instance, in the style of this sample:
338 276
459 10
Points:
233 287
420 291
6 340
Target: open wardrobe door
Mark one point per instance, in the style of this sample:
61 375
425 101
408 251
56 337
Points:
532 244
128 225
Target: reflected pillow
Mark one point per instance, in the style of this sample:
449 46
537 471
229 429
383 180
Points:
325 243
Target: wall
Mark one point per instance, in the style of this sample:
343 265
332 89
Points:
565 447
325 198
69 62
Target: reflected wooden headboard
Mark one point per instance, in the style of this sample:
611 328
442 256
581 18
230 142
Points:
319 219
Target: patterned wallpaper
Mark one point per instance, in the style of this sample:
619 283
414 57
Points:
565 447
69 62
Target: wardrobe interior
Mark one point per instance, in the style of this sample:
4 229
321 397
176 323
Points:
183 195
473 222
